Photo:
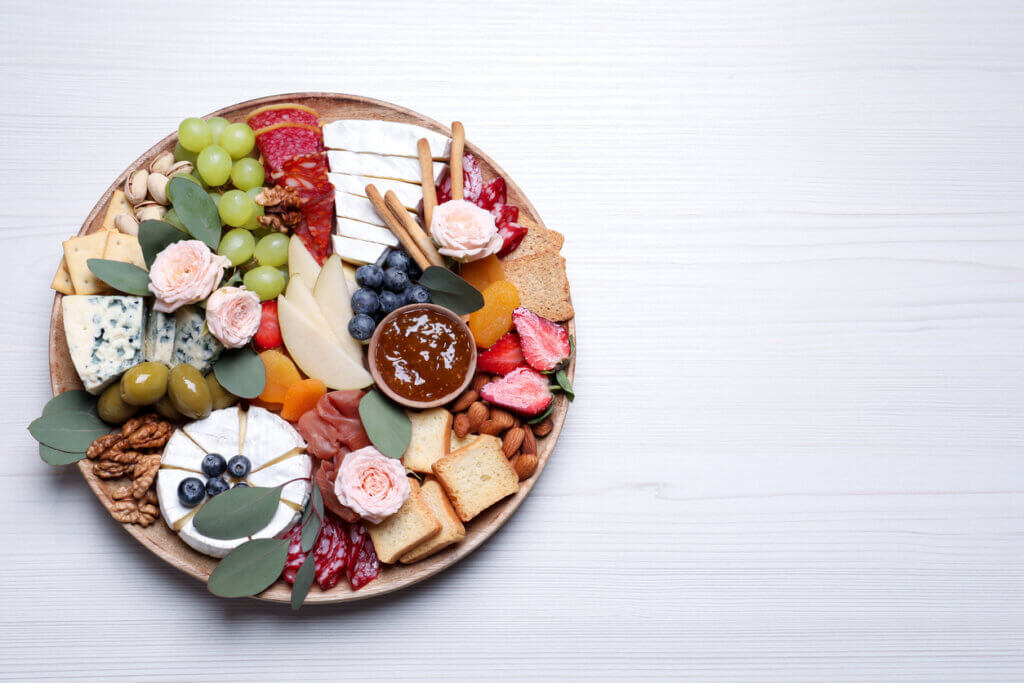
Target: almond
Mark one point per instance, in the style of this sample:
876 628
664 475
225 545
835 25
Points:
461 425
503 418
543 428
525 464
490 427
465 401
529 441
479 380
477 413
512 441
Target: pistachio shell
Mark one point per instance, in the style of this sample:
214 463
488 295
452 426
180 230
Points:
149 211
127 223
135 188
162 162
178 168
157 184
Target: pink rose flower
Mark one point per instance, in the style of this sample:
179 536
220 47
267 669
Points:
183 273
373 485
464 231
233 315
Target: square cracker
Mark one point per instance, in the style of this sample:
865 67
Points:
542 283
452 530
121 247
431 430
77 252
406 529
476 476
118 204
62 280
538 240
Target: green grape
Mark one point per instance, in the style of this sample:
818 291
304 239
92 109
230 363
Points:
238 139
237 245
272 250
236 208
254 222
182 154
217 126
172 218
266 281
214 165
194 134
247 174
215 196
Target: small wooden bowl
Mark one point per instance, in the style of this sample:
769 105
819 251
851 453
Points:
371 354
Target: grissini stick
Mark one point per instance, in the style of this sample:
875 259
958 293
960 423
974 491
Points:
455 166
427 181
414 231
396 226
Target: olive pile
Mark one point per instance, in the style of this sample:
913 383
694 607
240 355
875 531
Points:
177 394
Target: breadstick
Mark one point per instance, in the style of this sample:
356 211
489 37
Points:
414 231
427 181
455 165
396 226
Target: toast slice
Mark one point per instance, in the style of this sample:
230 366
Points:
431 430
542 284
452 530
455 443
476 476
538 240
406 529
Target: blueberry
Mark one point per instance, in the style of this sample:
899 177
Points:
365 301
398 259
417 294
389 301
214 465
240 485
215 486
395 279
371 276
414 271
361 327
191 492
239 466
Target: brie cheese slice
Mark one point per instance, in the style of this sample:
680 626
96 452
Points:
217 433
409 195
268 438
383 137
357 251
358 230
378 166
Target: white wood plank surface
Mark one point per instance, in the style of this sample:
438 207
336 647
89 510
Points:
795 234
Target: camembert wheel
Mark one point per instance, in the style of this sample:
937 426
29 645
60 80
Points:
275 449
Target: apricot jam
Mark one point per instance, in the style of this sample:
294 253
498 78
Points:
423 355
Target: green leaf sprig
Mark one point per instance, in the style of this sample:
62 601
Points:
238 512
451 291
250 568
195 210
241 372
69 419
385 423
124 277
155 236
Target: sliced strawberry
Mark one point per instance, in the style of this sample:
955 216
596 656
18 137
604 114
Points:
523 390
512 234
545 344
502 358
268 335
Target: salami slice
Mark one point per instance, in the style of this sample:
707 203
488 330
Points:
492 195
282 141
282 113
330 553
295 555
366 567
472 182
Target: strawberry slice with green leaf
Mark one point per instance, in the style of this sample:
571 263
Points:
545 344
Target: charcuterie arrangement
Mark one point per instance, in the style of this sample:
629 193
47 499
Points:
316 350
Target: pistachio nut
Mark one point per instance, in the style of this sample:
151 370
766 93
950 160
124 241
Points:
179 168
135 188
157 184
127 223
162 162
149 211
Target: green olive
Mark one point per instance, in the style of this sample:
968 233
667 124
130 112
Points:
112 409
145 384
189 392
222 398
166 409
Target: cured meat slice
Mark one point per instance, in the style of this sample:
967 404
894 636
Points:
330 553
363 565
334 423
492 195
282 141
325 476
282 113
318 215
512 235
295 555
472 181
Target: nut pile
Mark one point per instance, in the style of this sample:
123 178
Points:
518 439
146 191
134 453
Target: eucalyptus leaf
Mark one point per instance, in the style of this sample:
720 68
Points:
542 416
51 456
303 581
67 431
313 519
241 372
250 568
196 210
74 401
563 381
238 512
124 277
155 236
385 423
451 291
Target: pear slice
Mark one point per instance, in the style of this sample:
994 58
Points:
315 351
350 277
301 263
332 296
302 296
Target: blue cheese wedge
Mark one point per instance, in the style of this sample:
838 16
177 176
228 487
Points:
104 335
359 252
158 342
193 343
383 137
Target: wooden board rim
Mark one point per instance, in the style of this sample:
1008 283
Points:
167 546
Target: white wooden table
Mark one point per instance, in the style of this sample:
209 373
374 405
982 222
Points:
796 242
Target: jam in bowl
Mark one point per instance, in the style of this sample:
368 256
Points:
422 356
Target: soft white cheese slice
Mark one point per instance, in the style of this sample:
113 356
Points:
378 166
298 467
409 195
268 437
358 230
182 451
357 251
357 207
217 433
167 483
213 546
383 137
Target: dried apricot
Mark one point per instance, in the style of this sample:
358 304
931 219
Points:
281 374
302 397
273 407
494 320
482 273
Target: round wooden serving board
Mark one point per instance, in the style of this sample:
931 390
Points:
158 538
